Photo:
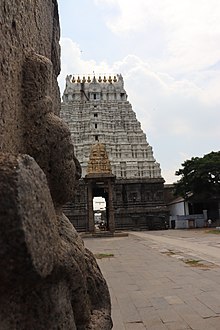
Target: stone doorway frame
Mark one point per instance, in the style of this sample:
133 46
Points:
95 182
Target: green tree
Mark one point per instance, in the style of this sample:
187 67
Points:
200 177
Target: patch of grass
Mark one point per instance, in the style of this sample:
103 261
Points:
168 253
213 231
103 255
199 264
192 262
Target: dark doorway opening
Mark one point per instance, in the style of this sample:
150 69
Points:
99 211
101 185
100 207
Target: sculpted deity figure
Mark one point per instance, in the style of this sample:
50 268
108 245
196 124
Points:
68 78
69 88
50 280
120 79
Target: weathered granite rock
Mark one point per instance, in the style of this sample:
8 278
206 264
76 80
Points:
48 279
24 26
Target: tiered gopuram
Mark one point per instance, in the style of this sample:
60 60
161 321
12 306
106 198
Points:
98 113
98 110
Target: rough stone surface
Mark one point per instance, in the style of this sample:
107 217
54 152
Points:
48 279
25 26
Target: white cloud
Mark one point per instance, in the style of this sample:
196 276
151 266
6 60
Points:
190 29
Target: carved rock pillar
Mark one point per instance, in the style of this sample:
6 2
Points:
90 208
111 207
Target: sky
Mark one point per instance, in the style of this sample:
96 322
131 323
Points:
168 52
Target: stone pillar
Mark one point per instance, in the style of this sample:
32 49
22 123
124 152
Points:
205 214
219 210
111 208
90 209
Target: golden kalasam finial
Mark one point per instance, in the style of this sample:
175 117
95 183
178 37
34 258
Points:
78 79
104 79
110 79
115 79
83 79
73 80
100 79
98 160
89 79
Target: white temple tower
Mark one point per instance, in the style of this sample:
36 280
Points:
101 118
97 110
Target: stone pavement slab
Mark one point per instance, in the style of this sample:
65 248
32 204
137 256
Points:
151 289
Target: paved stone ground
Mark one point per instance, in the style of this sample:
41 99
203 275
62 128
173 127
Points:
153 287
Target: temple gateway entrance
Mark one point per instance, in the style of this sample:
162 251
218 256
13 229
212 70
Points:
130 203
100 185
99 181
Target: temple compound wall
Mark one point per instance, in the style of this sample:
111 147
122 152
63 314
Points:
97 111
138 204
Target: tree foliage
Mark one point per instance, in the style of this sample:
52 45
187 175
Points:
200 177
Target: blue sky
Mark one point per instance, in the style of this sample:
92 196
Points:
168 52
